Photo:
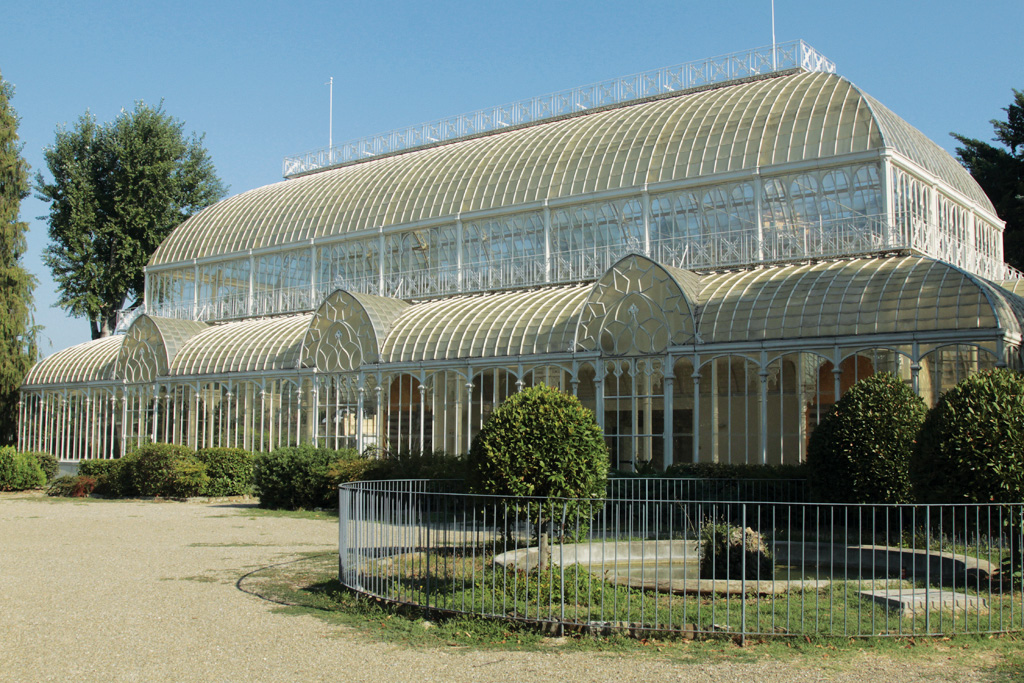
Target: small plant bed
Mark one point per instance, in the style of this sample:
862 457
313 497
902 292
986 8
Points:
578 598
308 585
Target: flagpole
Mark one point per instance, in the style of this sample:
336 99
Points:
774 66
330 122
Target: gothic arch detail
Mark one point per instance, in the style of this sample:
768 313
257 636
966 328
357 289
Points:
638 307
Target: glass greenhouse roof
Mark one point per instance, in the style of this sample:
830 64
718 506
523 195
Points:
703 72
489 325
855 297
150 344
259 345
735 127
638 306
92 361
348 330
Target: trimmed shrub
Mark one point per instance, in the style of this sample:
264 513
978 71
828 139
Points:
19 471
229 469
542 442
72 486
420 464
96 467
113 478
721 470
298 477
724 549
971 448
723 481
860 452
539 442
357 469
165 470
47 463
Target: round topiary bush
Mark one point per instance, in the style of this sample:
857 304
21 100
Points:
539 442
860 452
971 448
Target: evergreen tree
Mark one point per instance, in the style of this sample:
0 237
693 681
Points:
17 331
1000 172
118 190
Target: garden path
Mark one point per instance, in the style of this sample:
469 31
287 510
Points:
146 591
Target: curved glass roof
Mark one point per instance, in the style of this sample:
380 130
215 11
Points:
257 345
92 361
1014 286
488 325
920 149
637 307
860 296
741 126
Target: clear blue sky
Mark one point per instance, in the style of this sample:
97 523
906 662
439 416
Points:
251 75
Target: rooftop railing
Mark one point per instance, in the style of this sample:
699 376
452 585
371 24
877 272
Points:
758 61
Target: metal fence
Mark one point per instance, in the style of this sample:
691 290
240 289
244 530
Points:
658 556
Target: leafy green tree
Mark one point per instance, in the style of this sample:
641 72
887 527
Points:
539 442
118 190
860 452
971 447
17 331
1000 172
544 444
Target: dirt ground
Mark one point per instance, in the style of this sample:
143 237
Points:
147 591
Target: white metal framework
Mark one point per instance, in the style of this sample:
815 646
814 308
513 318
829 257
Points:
708 271
763 60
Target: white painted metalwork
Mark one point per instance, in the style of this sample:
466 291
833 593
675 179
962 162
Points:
777 346
709 180
92 361
707 271
696 74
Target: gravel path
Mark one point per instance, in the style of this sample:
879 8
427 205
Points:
145 591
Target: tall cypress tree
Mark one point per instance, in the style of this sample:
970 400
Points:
17 330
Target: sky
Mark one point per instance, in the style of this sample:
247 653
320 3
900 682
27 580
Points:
251 76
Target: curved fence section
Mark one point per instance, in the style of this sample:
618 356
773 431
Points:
656 557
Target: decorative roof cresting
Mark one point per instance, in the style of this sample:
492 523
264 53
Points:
671 79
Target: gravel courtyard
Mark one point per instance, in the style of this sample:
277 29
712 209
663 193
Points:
146 591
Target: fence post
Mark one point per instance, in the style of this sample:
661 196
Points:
743 574
341 533
927 568
426 552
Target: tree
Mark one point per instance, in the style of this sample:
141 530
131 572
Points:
17 331
971 448
118 190
539 442
860 452
1000 172
542 443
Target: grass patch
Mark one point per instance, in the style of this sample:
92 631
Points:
253 512
199 578
309 586
1010 666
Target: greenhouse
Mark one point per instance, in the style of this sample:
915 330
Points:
708 267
